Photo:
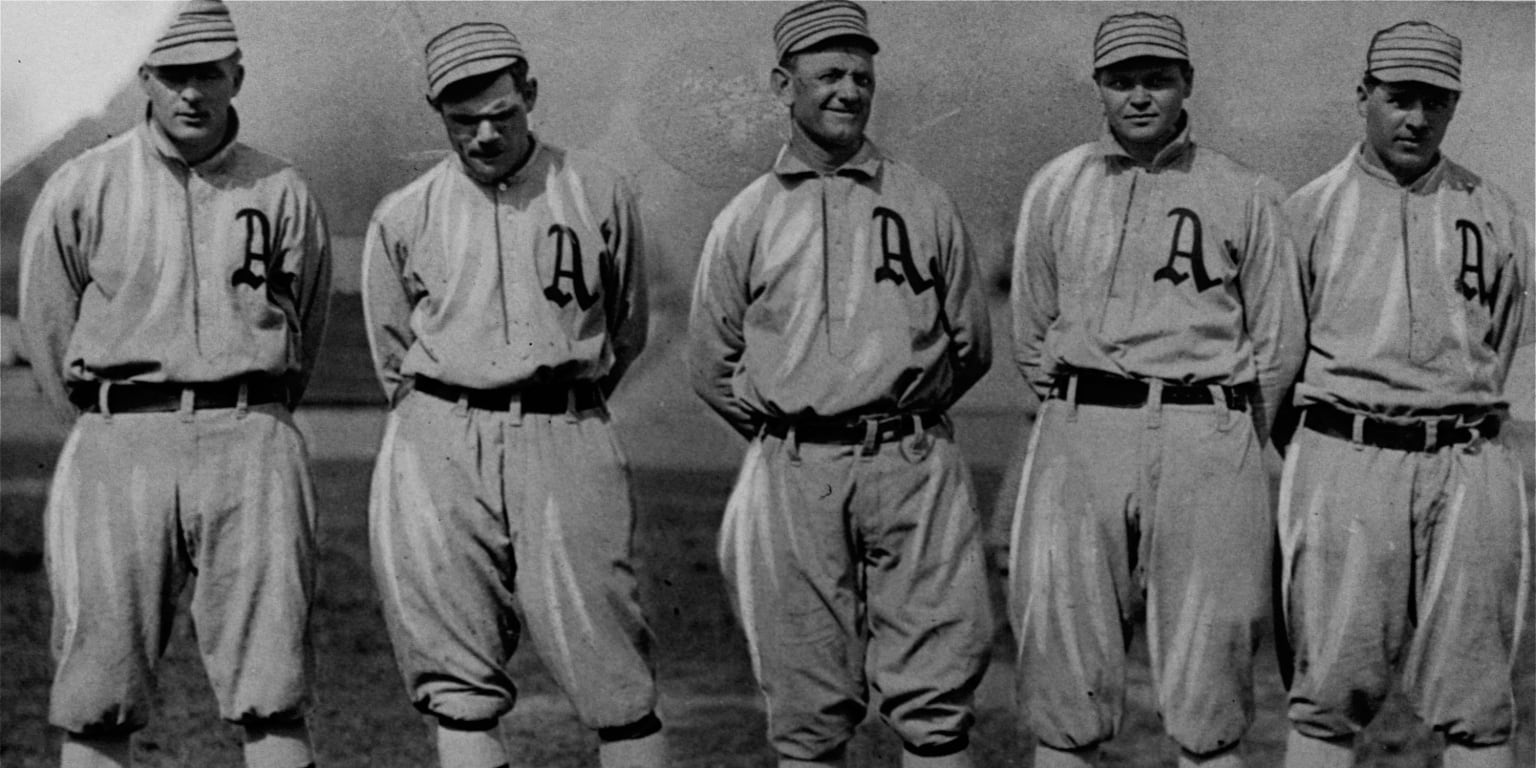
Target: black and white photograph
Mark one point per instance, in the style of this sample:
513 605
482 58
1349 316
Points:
767 384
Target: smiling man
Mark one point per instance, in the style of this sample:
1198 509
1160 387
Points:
1158 315
504 299
835 319
1402 514
174 292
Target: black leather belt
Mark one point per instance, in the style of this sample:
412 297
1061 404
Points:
869 432
1423 435
581 396
1121 392
149 397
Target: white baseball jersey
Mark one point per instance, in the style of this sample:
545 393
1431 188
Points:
136 267
1182 271
1417 294
535 280
837 296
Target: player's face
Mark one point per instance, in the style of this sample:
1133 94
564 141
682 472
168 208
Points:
1143 99
190 102
1404 125
829 93
489 129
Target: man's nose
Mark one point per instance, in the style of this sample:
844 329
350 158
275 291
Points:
485 132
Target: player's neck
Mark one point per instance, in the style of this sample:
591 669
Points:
823 159
1406 177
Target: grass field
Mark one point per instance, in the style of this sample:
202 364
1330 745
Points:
709 700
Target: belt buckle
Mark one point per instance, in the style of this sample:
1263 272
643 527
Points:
1431 435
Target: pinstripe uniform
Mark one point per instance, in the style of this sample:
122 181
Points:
1404 558
824 299
138 271
528 286
1179 273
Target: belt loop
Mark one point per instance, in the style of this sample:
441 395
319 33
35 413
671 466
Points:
188 403
243 400
461 406
570 405
102 400
1225 417
1072 397
922 444
515 409
1154 403
792 441
1357 431
871 442
1431 434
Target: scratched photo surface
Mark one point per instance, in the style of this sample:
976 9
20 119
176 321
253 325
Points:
976 96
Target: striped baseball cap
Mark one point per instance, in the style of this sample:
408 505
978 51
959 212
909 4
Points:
1129 35
807 25
469 49
1415 50
201 32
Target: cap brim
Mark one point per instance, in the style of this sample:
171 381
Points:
193 53
469 69
822 38
1138 51
1417 75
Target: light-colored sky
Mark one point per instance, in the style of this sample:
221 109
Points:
63 61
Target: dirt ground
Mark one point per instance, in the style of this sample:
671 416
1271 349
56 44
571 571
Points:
709 700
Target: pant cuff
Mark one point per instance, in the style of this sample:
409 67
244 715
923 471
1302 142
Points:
639 729
955 746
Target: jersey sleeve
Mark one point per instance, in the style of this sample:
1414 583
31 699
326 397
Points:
628 306
1033 286
964 304
54 275
312 290
716 339
1270 276
387 304
1514 318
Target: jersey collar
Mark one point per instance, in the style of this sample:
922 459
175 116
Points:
1426 183
168 151
864 164
1183 143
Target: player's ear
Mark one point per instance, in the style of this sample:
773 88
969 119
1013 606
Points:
783 85
530 94
1189 81
1362 95
145 75
239 79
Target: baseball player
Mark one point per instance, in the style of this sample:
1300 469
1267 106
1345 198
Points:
174 289
835 318
504 300
1158 316
1402 513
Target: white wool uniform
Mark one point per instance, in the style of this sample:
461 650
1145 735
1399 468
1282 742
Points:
823 299
140 271
527 287
1407 557
1178 273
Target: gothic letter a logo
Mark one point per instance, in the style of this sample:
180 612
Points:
1194 253
565 241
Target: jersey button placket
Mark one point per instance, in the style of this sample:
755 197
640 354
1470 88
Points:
839 262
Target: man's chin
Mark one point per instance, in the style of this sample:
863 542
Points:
483 171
